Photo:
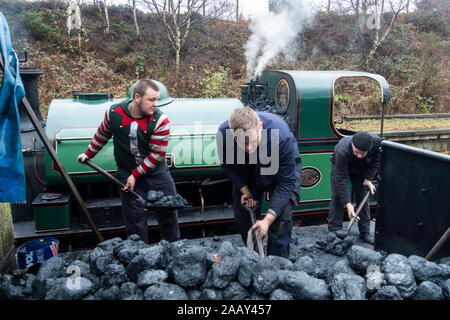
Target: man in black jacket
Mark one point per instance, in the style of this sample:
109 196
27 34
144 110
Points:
358 158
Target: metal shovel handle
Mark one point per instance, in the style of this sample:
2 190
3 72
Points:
366 197
112 178
257 235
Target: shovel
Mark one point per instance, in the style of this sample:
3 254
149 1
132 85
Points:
366 197
259 243
139 199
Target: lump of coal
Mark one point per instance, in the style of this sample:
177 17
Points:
49 269
362 258
114 274
150 277
212 294
336 243
248 261
112 293
428 290
387 293
280 294
146 258
280 263
189 266
9 291
127 290
75 289
99 259
446 289
165 291
445 260
110 244
429 271
266 104
227 249
304 287
341 266
27 288
64 288
225 271
265 281
194 294
346 286
235 291
341 234
83 268
153 195
304 263
398 273
128 249
158 199
374 280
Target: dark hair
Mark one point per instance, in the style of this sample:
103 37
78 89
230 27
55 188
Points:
141 86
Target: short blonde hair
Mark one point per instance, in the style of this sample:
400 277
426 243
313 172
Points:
244 118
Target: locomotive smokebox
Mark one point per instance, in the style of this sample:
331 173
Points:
251 90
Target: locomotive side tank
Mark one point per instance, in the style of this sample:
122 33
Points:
194 122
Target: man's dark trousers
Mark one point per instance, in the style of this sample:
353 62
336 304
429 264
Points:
336 215
135 218
279 234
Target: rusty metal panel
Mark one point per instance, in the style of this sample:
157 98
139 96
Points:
413 209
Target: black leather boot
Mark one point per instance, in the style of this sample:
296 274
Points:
367 238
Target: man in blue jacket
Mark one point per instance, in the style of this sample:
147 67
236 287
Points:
259 153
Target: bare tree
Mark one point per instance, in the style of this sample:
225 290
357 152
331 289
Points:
355 6
176 17
133 8
379 38
219 9
105 2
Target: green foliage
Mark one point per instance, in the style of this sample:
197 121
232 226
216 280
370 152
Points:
214 85
341 98
425 103
120 26
431 21
136 60
35 22
124 47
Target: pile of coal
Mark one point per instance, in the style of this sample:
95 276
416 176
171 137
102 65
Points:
336 243
159 199
217 269
266 104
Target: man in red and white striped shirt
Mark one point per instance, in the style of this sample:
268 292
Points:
140 134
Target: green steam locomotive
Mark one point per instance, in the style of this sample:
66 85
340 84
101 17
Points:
305 99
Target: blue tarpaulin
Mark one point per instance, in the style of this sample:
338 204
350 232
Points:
12 175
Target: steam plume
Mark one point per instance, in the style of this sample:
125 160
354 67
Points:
274 32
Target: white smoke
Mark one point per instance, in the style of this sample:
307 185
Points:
274 33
